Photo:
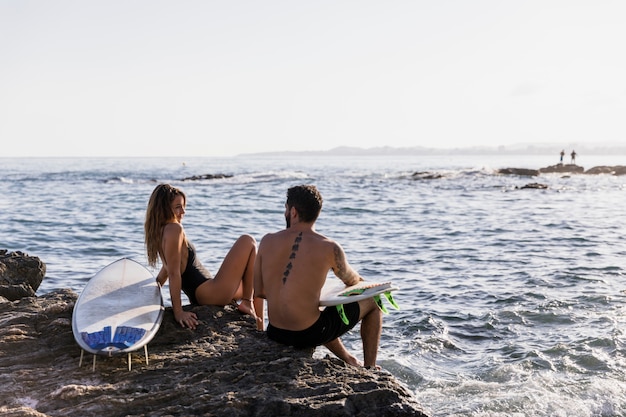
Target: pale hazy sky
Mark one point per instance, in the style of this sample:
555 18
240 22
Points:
181 78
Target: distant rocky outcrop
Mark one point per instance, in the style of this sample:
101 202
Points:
565 169
206 177
223 368
20 274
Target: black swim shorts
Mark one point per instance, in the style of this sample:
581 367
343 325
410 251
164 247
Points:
328 327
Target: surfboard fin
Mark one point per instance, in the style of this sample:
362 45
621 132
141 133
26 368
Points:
126 336
342 314
391 300
380 304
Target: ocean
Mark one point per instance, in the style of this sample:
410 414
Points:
513 301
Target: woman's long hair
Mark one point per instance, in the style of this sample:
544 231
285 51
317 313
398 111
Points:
159 213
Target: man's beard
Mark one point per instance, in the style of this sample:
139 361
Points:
288 221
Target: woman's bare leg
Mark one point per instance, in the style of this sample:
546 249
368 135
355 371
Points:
234 279
245 290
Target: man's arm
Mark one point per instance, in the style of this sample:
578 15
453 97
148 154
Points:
342 269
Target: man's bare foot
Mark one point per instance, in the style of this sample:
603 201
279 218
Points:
351 360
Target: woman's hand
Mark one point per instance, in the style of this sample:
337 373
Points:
187 319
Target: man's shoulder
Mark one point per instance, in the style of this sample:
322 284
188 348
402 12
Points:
272 235
271 238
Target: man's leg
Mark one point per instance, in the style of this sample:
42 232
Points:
341 352
371 329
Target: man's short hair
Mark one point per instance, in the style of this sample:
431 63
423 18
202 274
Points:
307 201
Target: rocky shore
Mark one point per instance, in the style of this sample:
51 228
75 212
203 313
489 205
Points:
565 169
223 368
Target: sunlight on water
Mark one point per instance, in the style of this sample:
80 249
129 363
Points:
513 301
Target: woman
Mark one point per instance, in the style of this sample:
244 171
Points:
165 239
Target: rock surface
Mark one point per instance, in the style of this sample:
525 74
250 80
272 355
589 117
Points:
223 368
20 274
563 168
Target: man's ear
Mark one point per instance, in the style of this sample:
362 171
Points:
293 212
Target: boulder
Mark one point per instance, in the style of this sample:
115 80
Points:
223 368
20 274
612 170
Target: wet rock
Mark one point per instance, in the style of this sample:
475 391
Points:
20 274
206 177
426 176
534 185
223 368
523 172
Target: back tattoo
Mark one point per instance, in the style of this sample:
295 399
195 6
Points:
294 249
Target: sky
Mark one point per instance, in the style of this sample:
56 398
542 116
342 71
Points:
220 78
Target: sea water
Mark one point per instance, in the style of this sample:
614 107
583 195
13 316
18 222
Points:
513 301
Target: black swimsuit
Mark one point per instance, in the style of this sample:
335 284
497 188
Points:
194 275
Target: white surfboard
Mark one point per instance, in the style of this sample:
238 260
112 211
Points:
119 310
335 295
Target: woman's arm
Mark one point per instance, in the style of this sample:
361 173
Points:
173 242
162 276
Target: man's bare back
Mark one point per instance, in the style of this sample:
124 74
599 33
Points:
293 264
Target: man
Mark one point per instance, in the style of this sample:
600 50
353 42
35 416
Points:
290 270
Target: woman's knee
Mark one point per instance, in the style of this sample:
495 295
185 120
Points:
247 241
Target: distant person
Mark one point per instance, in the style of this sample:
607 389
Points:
165 239
290 270
573 154
562 155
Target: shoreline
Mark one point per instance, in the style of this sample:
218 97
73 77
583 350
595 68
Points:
224 367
